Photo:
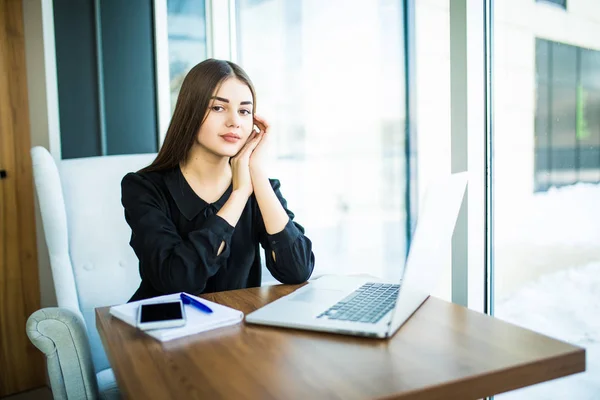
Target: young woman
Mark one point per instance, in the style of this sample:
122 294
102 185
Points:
200 210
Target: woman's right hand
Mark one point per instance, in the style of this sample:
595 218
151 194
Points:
240 165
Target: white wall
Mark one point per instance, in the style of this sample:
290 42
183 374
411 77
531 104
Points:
43 110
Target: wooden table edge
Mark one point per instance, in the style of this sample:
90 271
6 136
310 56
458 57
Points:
520 376
562 365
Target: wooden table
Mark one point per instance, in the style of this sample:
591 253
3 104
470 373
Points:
443 352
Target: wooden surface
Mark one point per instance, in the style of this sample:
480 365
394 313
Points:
444 352
21 364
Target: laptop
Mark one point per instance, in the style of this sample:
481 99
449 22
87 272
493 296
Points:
363 306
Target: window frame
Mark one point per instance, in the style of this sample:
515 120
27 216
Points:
213 11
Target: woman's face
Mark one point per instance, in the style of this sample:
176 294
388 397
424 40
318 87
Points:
229 121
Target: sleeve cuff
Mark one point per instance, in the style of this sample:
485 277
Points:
285 238
217 225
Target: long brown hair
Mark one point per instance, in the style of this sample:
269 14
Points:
191 109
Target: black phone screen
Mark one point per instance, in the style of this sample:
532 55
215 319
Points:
160 312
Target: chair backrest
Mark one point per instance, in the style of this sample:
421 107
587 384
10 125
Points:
86 233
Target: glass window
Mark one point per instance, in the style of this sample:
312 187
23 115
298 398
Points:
563 61
329 76
546 181
567 141
588 135
542 60
563 136
590 68
542 139
186 24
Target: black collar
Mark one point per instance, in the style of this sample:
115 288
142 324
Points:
188 202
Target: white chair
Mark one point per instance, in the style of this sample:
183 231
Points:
92 266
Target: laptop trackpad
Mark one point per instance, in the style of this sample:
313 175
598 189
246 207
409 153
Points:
318 296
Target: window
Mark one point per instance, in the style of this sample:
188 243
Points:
186 20
546 183
567 123
330 76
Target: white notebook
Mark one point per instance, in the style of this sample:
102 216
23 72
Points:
197 321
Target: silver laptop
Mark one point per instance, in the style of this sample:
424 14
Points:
362 306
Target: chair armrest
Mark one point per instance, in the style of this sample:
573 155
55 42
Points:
61 335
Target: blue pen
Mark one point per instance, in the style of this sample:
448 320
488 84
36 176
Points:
193 302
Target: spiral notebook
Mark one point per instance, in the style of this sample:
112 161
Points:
197 321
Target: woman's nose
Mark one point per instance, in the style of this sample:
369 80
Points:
233 120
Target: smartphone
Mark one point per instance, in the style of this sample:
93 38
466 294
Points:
161 315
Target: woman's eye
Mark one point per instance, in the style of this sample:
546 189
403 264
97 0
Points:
245 112
218 108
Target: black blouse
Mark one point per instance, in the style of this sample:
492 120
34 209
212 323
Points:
176 236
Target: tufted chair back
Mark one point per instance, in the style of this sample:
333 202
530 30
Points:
86 233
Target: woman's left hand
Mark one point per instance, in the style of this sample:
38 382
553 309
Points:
258 158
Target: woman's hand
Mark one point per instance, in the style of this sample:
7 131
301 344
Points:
240 165
258 157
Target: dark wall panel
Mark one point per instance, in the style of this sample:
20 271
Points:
129 83
115 86
77 78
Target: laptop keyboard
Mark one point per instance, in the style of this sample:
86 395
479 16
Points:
367 304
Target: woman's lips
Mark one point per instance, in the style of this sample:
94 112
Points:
230 137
